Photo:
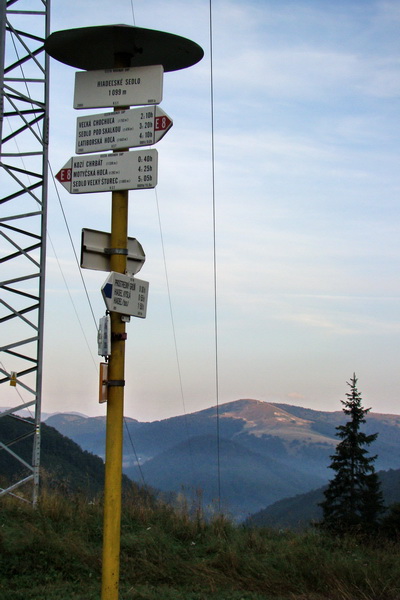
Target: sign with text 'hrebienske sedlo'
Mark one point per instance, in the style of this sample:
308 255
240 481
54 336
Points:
142 126
109 172
131 86
125 295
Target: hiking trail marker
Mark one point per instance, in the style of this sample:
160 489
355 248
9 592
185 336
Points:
125 295
142 126
110 172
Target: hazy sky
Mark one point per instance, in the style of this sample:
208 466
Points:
307 181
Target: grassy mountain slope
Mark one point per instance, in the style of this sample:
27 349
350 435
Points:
54 552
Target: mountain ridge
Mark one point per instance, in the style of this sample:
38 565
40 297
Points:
253 436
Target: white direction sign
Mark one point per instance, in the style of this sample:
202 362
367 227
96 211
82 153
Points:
125 295
108 172
131 86
142 126
96 252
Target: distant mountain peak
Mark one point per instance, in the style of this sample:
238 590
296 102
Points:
264 418
71 416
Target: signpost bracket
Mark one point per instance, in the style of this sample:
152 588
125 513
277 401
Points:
123 251
116 383
119 337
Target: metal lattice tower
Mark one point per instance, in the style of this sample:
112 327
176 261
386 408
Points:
24 25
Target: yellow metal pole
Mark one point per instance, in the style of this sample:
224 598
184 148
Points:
115 403
115 412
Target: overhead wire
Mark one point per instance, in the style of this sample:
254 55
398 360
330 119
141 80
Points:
171 312
214 282
72 245
90 305
172 320
65 219
57 260
79 268
63 213
166 274
215 269
76 259
135 453
133 14
73 303
124 418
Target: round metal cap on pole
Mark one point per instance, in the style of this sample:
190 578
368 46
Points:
92 48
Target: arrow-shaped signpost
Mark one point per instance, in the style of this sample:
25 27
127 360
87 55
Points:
142 126
126 295
110 172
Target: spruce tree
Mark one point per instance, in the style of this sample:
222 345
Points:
353 499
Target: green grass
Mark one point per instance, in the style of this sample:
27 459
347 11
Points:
54 553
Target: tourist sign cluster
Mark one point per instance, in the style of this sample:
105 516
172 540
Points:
118 130
130 86
110 172
142 126
125 295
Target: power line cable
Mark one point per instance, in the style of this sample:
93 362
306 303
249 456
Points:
63 212
172 322
90 305
135 453
214 250
77 262
73 303
133 14
73 246
64 216
171 312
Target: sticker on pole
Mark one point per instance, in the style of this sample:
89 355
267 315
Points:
108 172
132 128
125 295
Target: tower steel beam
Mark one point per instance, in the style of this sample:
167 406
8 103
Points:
24 69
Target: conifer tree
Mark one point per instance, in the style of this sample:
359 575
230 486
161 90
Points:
353 499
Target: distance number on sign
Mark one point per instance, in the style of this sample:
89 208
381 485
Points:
145 168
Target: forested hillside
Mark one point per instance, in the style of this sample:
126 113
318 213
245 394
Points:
64 465
299 512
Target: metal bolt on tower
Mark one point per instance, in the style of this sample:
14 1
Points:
24 26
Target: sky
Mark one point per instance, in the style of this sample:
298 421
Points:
303 288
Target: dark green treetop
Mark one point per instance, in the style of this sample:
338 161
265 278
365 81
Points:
353 499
